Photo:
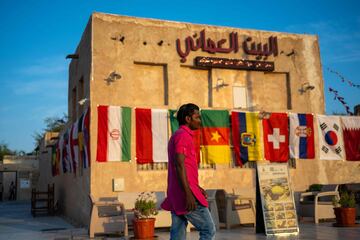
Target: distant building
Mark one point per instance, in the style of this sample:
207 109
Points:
135 62
22 171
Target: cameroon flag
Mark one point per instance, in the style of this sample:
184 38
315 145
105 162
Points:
215 136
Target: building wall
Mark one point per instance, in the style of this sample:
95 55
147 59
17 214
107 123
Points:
143 53
20 170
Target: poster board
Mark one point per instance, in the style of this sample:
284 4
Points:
24 183
277 199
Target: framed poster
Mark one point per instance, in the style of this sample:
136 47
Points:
277 199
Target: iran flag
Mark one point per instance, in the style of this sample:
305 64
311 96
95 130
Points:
151 135
301 136
330 138
276 137
351 131
114 134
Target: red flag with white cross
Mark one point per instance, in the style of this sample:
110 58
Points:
276 137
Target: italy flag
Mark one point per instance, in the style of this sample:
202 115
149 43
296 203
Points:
215 136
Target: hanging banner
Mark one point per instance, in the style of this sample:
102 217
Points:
277 199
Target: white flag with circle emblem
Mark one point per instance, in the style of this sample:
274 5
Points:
330 138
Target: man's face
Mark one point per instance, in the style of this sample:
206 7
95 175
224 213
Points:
195 120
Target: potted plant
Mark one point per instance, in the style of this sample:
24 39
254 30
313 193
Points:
145 210
344 209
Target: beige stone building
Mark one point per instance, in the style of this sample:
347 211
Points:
23 171
135 62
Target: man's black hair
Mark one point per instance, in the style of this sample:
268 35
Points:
184 111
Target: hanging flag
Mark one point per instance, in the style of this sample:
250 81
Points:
197 133
330 138
215 136
54 162
351 132
246 136
276 137
114 134
174 124
59 153
74 146
86 134
151 135
66 156
83 139
301 136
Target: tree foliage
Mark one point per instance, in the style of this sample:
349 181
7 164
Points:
52 124
5 150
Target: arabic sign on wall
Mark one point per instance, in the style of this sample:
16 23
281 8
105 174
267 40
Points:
277 199
194 43
234 64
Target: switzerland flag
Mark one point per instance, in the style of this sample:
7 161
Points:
276 137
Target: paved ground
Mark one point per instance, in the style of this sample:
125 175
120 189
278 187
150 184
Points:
17 223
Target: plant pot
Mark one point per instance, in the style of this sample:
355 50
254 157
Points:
345 217
144 228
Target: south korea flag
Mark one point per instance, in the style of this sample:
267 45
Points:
330 138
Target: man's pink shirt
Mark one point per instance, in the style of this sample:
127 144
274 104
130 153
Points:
182 142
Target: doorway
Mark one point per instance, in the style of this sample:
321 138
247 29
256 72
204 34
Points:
6 178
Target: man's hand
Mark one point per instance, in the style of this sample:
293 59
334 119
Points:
190 202
203 192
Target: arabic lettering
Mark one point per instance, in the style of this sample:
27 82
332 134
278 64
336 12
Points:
210 46
207 45
261 50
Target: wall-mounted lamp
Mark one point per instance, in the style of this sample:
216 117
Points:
220 83
264 115
113 76
289 53
72 56
83 101
306 87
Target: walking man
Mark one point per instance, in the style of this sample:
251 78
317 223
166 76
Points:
185 198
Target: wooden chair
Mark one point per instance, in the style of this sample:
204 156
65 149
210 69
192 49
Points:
42 202
107 217
319 204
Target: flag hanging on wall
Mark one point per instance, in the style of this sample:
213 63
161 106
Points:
83 139
246 137
197 133
215 136
114 134
151 135
59 153
330 138
174 124
351 132
54 160
74 146
276 137
66 156
301 141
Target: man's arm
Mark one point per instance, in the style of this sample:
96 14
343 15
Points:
181 173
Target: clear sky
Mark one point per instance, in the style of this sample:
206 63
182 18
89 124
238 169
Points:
35 37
